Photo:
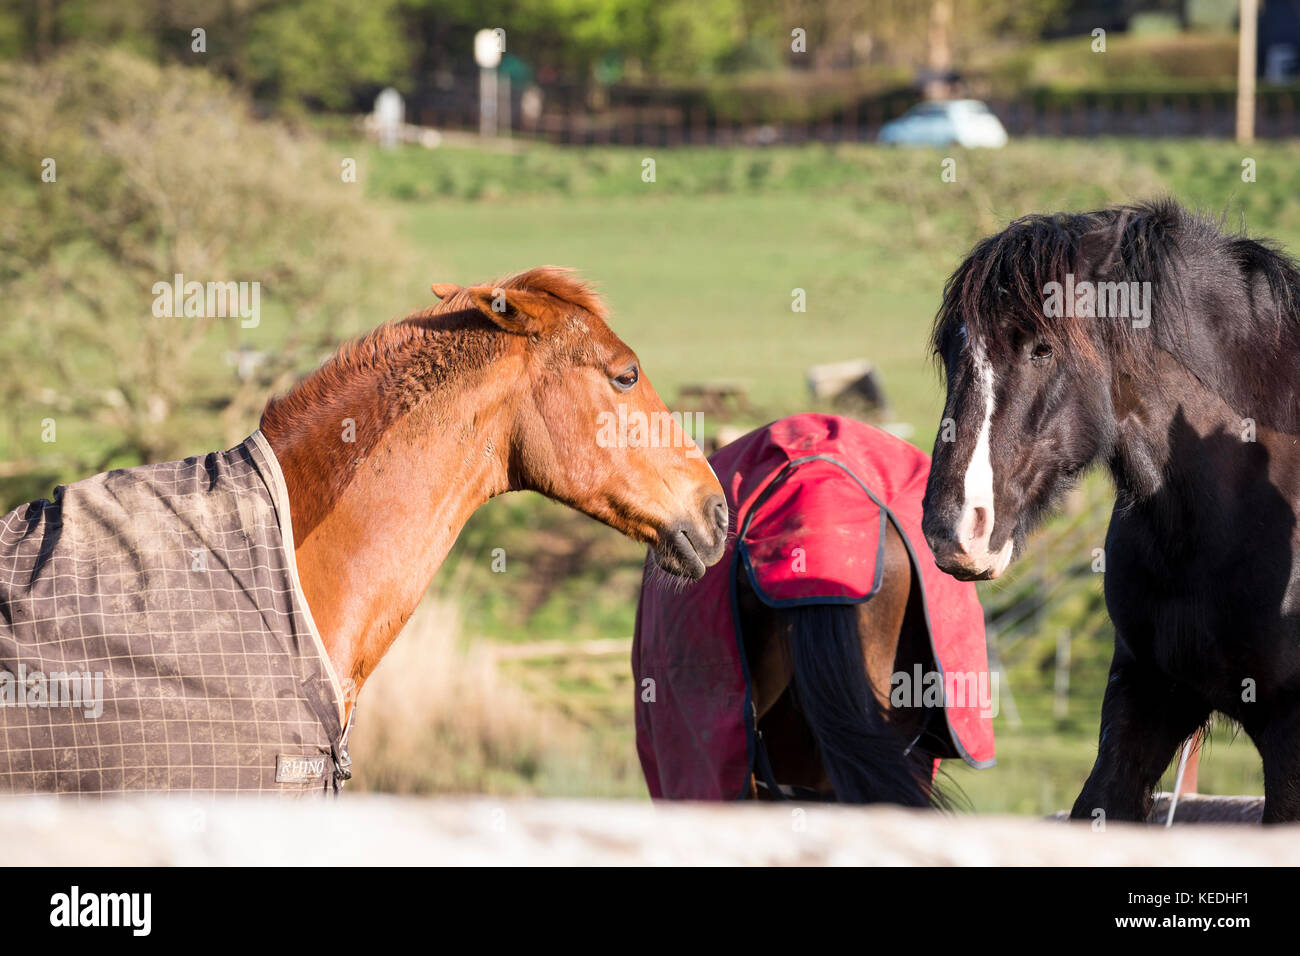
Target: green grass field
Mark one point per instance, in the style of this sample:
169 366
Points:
700 265
699 268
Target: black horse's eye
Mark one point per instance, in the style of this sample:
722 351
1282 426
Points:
627 379
1041 351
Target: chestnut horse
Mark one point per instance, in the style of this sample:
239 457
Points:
826 656
390 445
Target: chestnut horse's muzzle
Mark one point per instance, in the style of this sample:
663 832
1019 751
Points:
689 547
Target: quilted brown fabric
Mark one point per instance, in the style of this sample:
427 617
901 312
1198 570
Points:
173 588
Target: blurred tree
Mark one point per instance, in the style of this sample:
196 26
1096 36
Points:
323 49
944 32
290 50
159 171
666 37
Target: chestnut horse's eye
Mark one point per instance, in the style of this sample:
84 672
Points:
627 379
1041 351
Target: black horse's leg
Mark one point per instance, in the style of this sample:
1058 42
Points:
1144 717
1279 744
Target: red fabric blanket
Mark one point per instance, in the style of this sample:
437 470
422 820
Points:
810 495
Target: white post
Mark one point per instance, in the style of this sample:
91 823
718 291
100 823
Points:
487 101
390 115
1246 57
487 54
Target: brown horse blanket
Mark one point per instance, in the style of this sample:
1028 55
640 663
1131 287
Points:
154 637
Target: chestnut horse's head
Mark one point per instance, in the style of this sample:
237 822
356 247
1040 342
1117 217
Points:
589 430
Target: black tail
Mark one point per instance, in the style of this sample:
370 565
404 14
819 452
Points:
863 755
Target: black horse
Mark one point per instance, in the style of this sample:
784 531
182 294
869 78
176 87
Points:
1149 339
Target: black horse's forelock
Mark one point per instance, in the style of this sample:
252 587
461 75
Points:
998 290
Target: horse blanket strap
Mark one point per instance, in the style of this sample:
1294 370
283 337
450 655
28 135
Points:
342 759
154 637
763 769
813 496
784 792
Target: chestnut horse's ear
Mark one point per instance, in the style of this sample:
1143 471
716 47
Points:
444 290
520 311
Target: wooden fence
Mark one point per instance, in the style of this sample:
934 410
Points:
1084 115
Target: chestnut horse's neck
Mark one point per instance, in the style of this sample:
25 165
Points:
386 451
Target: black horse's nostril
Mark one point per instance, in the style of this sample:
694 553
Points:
942 540
720 513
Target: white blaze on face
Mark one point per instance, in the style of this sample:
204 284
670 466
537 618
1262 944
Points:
979 471
975 526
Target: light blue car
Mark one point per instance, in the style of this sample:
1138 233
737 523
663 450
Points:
966 123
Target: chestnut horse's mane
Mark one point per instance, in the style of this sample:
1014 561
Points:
377 378
392 352
562 283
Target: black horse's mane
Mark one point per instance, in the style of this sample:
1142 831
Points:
997 294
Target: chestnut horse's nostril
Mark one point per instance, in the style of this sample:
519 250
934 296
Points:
719 512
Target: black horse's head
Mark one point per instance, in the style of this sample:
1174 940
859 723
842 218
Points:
1057 336
1028 373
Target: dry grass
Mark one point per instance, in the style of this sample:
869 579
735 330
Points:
437 716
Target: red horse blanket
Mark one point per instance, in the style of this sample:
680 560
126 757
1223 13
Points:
811 496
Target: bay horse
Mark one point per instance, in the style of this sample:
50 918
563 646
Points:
821 679
500 387
1146 339
825 656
